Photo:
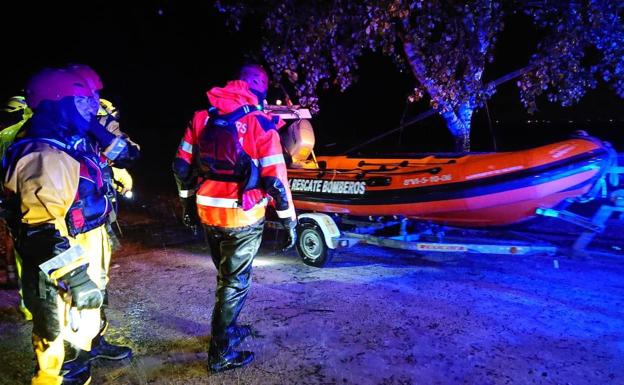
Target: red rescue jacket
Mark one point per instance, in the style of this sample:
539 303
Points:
218 202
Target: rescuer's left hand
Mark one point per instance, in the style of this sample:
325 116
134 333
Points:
122 182
84 292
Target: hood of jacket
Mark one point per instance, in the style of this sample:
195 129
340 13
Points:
235 94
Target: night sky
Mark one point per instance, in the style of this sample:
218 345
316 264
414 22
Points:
157 61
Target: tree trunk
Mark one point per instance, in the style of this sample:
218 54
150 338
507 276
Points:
465 114
457 120
458 123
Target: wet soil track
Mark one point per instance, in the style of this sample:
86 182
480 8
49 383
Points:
374 316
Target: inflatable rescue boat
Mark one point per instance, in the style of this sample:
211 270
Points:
467 190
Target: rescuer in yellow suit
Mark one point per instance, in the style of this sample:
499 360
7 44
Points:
118 178
14 114
115 151
54 179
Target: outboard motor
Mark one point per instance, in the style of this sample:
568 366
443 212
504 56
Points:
298 141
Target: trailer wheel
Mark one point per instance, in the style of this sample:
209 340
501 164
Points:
311 245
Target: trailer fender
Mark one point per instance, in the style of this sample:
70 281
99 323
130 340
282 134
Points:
327 226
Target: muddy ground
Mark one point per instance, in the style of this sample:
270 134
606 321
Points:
374 316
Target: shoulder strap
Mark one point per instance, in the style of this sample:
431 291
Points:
12 151
227 119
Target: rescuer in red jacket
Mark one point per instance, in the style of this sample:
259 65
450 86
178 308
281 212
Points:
232 209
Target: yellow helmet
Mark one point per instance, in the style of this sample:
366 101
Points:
107 108
14 104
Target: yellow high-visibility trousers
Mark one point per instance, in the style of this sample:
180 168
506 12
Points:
55 312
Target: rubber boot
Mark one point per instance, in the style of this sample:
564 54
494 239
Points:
238 333
222 357
82 377
76 369
102 349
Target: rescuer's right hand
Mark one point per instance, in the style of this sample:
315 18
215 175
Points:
189 213
84 292
101 134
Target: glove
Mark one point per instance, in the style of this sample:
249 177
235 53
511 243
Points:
189 213
101 134
84 292
291 233
122 181
128 156
125 154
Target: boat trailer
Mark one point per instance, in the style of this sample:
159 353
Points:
609 190
320 235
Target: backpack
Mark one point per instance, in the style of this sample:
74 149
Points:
221 155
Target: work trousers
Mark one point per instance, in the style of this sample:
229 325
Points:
232 251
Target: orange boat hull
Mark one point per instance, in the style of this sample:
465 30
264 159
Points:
473 190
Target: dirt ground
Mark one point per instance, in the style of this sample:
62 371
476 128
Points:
374 316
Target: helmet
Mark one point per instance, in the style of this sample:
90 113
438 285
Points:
106 108
54 84
88 74
15 103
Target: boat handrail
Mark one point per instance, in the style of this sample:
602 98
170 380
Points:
360 173
405 163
